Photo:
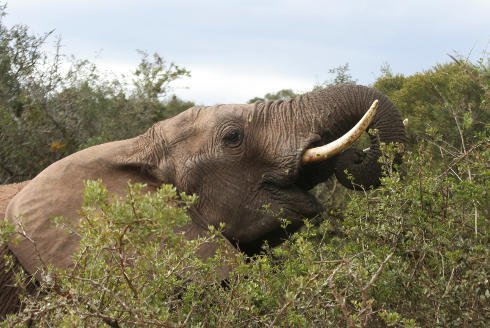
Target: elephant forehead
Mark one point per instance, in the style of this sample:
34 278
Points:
200 123
223 112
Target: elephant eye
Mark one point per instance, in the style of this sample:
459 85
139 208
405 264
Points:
232 137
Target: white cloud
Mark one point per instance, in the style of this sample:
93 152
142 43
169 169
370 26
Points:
237 50
213 86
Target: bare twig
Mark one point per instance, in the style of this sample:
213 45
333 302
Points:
446 290
366 310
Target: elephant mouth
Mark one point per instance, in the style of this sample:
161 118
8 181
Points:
292 203
303 205
290 187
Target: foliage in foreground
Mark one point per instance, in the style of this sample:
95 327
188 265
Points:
414 252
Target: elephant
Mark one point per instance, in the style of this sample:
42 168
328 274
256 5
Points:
235 158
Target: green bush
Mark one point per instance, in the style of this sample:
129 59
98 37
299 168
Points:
448 101
414 252
50 112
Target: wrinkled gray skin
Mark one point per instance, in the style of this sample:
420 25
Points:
236 158
239 158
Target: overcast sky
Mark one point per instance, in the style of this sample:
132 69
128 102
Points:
236 50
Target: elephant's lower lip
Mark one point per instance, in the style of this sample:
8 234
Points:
297 200
306 206
289 186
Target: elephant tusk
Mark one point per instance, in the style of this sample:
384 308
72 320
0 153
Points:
337 146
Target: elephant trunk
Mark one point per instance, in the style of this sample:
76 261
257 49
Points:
318 154
340 108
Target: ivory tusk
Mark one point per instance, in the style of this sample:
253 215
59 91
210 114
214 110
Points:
337 146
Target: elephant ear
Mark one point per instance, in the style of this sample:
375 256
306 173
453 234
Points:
58 192
150 154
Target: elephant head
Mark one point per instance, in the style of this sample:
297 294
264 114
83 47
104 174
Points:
245 162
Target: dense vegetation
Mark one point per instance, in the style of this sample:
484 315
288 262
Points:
414 252
52 105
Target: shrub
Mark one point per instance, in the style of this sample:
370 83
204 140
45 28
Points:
412 253
50 112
